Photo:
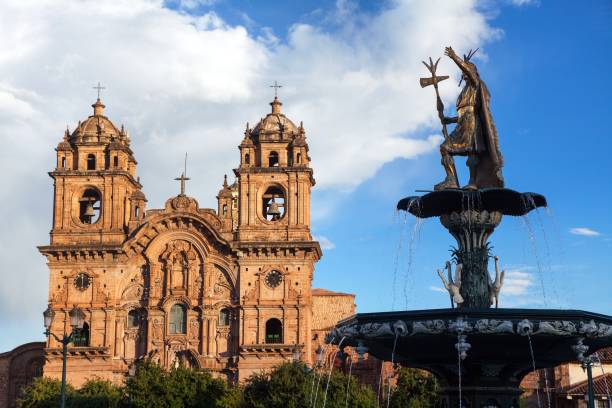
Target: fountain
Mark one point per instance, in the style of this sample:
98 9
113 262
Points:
479 354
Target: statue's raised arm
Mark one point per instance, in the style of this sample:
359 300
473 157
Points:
475 135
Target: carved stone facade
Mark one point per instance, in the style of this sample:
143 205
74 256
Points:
227 290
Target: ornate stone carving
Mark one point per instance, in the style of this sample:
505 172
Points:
558 328
524 327
428 327
492 326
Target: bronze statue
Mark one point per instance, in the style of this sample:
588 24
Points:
475 135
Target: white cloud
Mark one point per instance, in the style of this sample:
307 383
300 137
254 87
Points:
586 232
438 289
188 83
521 3
325 243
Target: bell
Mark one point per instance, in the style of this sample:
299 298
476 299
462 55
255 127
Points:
274 210
89 211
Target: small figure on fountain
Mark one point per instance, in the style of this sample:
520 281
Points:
475 135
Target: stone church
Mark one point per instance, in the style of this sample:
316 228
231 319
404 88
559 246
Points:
226 289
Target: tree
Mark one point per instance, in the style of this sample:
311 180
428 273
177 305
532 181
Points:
153 387
414 389
294 385
97 393
43 393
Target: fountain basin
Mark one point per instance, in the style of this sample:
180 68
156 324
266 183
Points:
444 202
499 356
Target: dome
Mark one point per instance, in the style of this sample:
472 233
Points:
138 195
96 127
275 122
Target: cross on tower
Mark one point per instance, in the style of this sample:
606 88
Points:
183 177
276 86
99 88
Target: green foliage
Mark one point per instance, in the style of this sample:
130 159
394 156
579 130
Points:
98 393
295 386
414 389
154 387
43 393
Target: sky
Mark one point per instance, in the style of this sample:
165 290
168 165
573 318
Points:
186 76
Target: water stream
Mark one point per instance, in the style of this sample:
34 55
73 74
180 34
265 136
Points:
348 384
534 248
533 364
603 373
392 364
331 368
459 369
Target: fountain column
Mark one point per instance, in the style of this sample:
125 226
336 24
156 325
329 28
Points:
472 229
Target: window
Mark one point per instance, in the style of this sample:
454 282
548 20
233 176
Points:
178 319
273 205
89 206
91 162
299 158
247 159
137 212
81 336
116 161
224 209
133 319
273 159
274 331
63 162
224 317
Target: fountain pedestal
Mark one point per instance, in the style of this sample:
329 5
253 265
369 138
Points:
471 229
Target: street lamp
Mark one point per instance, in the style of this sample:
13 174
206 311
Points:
77 319
296 354
587 362
320 355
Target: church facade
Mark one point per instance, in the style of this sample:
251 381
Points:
225 289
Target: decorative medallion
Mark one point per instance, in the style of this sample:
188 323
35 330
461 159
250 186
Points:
274 278
82 281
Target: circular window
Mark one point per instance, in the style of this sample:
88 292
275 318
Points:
273 279
82 281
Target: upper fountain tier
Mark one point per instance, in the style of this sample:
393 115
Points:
444 202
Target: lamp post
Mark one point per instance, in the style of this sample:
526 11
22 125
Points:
587 362
77 319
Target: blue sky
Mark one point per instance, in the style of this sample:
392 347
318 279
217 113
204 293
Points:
187 75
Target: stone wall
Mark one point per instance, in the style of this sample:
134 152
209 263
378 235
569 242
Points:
18 368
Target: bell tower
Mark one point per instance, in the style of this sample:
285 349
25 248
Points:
274 180
97 197
276 252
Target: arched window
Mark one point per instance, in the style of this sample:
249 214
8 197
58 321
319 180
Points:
273 159
133 319
224 209
137 212
116 161
81 336
299 158
89 206
63 162
224 317
247 159
273 204
178 319
91 162
274 331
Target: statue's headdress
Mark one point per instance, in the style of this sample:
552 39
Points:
467 58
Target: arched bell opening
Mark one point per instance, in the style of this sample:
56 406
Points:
273 204
91 162
89 206
273 159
